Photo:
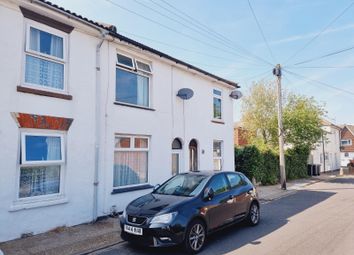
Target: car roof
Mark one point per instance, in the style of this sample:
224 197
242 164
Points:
208 172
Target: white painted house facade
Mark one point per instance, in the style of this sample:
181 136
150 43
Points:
91 119
327 151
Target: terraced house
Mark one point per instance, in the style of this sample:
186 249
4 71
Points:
91 119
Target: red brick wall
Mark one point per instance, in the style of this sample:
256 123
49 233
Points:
346 134
240 137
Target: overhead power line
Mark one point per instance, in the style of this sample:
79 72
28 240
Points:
197 23
202 33
325 56
180 48
320 33
318 82
320 67
261 31
172 29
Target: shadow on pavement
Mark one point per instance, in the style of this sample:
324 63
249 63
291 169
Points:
343 180
274 216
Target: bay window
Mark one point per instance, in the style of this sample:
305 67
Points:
130 160
45 58
42 158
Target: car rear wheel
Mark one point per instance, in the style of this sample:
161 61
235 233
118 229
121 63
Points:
254 214
195 237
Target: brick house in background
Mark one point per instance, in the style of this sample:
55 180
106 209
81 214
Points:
347 144
240 135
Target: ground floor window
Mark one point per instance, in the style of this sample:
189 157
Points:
38 181
42 158
217 154
130 160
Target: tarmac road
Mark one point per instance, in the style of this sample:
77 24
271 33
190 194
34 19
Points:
316 220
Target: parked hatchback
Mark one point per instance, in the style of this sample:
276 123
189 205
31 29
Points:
188 207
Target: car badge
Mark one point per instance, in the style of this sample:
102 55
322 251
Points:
134 219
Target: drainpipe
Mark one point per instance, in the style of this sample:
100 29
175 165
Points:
97 125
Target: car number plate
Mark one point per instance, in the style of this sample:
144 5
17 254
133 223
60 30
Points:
133 230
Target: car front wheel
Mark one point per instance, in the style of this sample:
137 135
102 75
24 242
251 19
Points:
254 214
195 237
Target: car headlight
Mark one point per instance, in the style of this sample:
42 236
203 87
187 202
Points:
164 218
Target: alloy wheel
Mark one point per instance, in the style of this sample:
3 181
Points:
254 214
197 237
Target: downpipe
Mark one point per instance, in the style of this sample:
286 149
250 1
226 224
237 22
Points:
97 125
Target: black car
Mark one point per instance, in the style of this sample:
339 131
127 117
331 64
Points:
188 207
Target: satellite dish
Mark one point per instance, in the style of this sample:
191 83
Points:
185 93
236 94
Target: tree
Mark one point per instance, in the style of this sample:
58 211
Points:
302 121
259 115
301 118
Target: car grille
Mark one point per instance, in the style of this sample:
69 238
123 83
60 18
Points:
136 220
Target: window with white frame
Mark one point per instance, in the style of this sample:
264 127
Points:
217 104
132 81
45 57
346 142
130 160
42 158
217 154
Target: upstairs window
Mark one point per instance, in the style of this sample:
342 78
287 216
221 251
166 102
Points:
125 61
346 142
132 81
141 66
217 104
45 58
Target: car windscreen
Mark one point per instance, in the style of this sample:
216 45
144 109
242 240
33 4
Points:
183 185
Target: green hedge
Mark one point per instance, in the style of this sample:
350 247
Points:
264 165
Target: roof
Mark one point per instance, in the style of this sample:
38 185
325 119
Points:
350 128
328 123
112 31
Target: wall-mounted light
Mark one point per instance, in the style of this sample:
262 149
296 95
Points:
236 94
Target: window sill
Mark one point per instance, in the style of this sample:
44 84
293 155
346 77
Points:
128 189
217 121
134 106
24 205
43 93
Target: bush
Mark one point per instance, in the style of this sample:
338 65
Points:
249 161
264 165
296 162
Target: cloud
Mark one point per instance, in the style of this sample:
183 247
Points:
311 35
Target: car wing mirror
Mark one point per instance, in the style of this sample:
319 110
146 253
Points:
208 194
156 187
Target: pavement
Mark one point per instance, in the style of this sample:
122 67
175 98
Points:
105 234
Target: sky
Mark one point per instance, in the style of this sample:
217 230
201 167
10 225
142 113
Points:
222 37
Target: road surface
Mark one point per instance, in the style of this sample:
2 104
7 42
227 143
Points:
317 220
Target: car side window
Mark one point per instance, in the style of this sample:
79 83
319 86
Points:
234 180
219 184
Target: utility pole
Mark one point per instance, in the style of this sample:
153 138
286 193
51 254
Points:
277 73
